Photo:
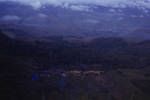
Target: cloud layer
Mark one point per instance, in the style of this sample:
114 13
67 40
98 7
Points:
108 3
10 17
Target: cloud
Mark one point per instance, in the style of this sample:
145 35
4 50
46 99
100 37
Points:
80 7
10 17
41 15
108 3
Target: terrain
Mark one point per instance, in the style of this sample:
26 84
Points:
102 68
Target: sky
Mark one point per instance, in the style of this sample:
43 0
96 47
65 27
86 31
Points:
108 3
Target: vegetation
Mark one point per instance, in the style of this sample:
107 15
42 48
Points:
22 63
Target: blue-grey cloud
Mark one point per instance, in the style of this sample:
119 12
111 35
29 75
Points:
10 17
111 3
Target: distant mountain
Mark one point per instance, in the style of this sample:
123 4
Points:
110 52
139 35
